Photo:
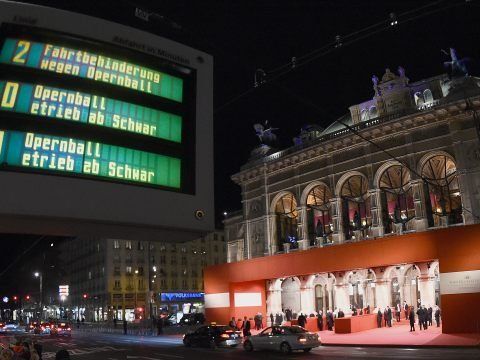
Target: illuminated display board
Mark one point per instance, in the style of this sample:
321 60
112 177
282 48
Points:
89 65
182 296
69 155
86 108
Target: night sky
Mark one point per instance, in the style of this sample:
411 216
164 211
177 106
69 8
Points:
247 35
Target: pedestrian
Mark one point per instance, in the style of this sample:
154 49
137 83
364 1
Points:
302 320
411 317
125 327
340 314
271 319
246 327
425 318
78 323
329 320
405 309
437 316
430 316
398 311
62 355
114 322
233 323
320 320
421 317
389 313
6 354
367 310
160 325
379 318
385 317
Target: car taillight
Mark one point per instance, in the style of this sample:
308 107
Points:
69 329
302 339
225 336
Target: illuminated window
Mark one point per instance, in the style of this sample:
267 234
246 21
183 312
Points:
128 245
163 247
140 246
128 270
355 206
286 220
89 275
443 198
183 249
428 96
117 285
319 217
116 244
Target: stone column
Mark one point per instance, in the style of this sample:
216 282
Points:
274 303
307 305
338 235
272 238
426 287
342 297
302 230
377 213
383 293
421 222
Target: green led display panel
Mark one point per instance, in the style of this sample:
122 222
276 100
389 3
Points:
69 155
91 109
89 65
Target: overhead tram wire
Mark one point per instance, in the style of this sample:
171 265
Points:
26 251
328 48
382 149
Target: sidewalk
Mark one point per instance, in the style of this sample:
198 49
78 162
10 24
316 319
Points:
399 335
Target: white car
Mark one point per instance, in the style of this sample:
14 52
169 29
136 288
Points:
283 338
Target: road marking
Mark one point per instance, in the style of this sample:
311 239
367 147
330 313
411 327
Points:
170 355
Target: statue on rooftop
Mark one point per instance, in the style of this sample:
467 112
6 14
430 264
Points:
265 134
458 66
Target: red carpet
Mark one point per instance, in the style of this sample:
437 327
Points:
399 335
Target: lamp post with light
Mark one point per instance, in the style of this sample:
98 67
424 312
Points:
40 277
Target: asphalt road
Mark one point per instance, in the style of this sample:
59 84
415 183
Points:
84 346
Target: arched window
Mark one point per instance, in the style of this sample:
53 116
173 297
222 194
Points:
419 100
355 206
427 96
319 298
287 218
395 292
373 113
364 115
319 215
442 190
396 197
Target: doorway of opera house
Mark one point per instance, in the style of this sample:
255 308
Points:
361 289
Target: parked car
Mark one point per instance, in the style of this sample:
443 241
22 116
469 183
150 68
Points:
213 336
192 319
11 326
283 338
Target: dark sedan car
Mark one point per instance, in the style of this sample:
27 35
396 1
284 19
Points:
213 336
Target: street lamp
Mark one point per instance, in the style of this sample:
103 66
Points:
39 276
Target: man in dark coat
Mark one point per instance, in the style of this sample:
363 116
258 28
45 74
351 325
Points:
421 317
320 320
329 320
302 320
437 316
389 313
379 318
411 317
246 327
425 318
272 319
340 314
124 327
385 317
288 314
430 316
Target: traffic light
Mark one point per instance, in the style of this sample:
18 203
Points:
85 296
15 298
27 297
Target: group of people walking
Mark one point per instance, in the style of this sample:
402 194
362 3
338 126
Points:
425 317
